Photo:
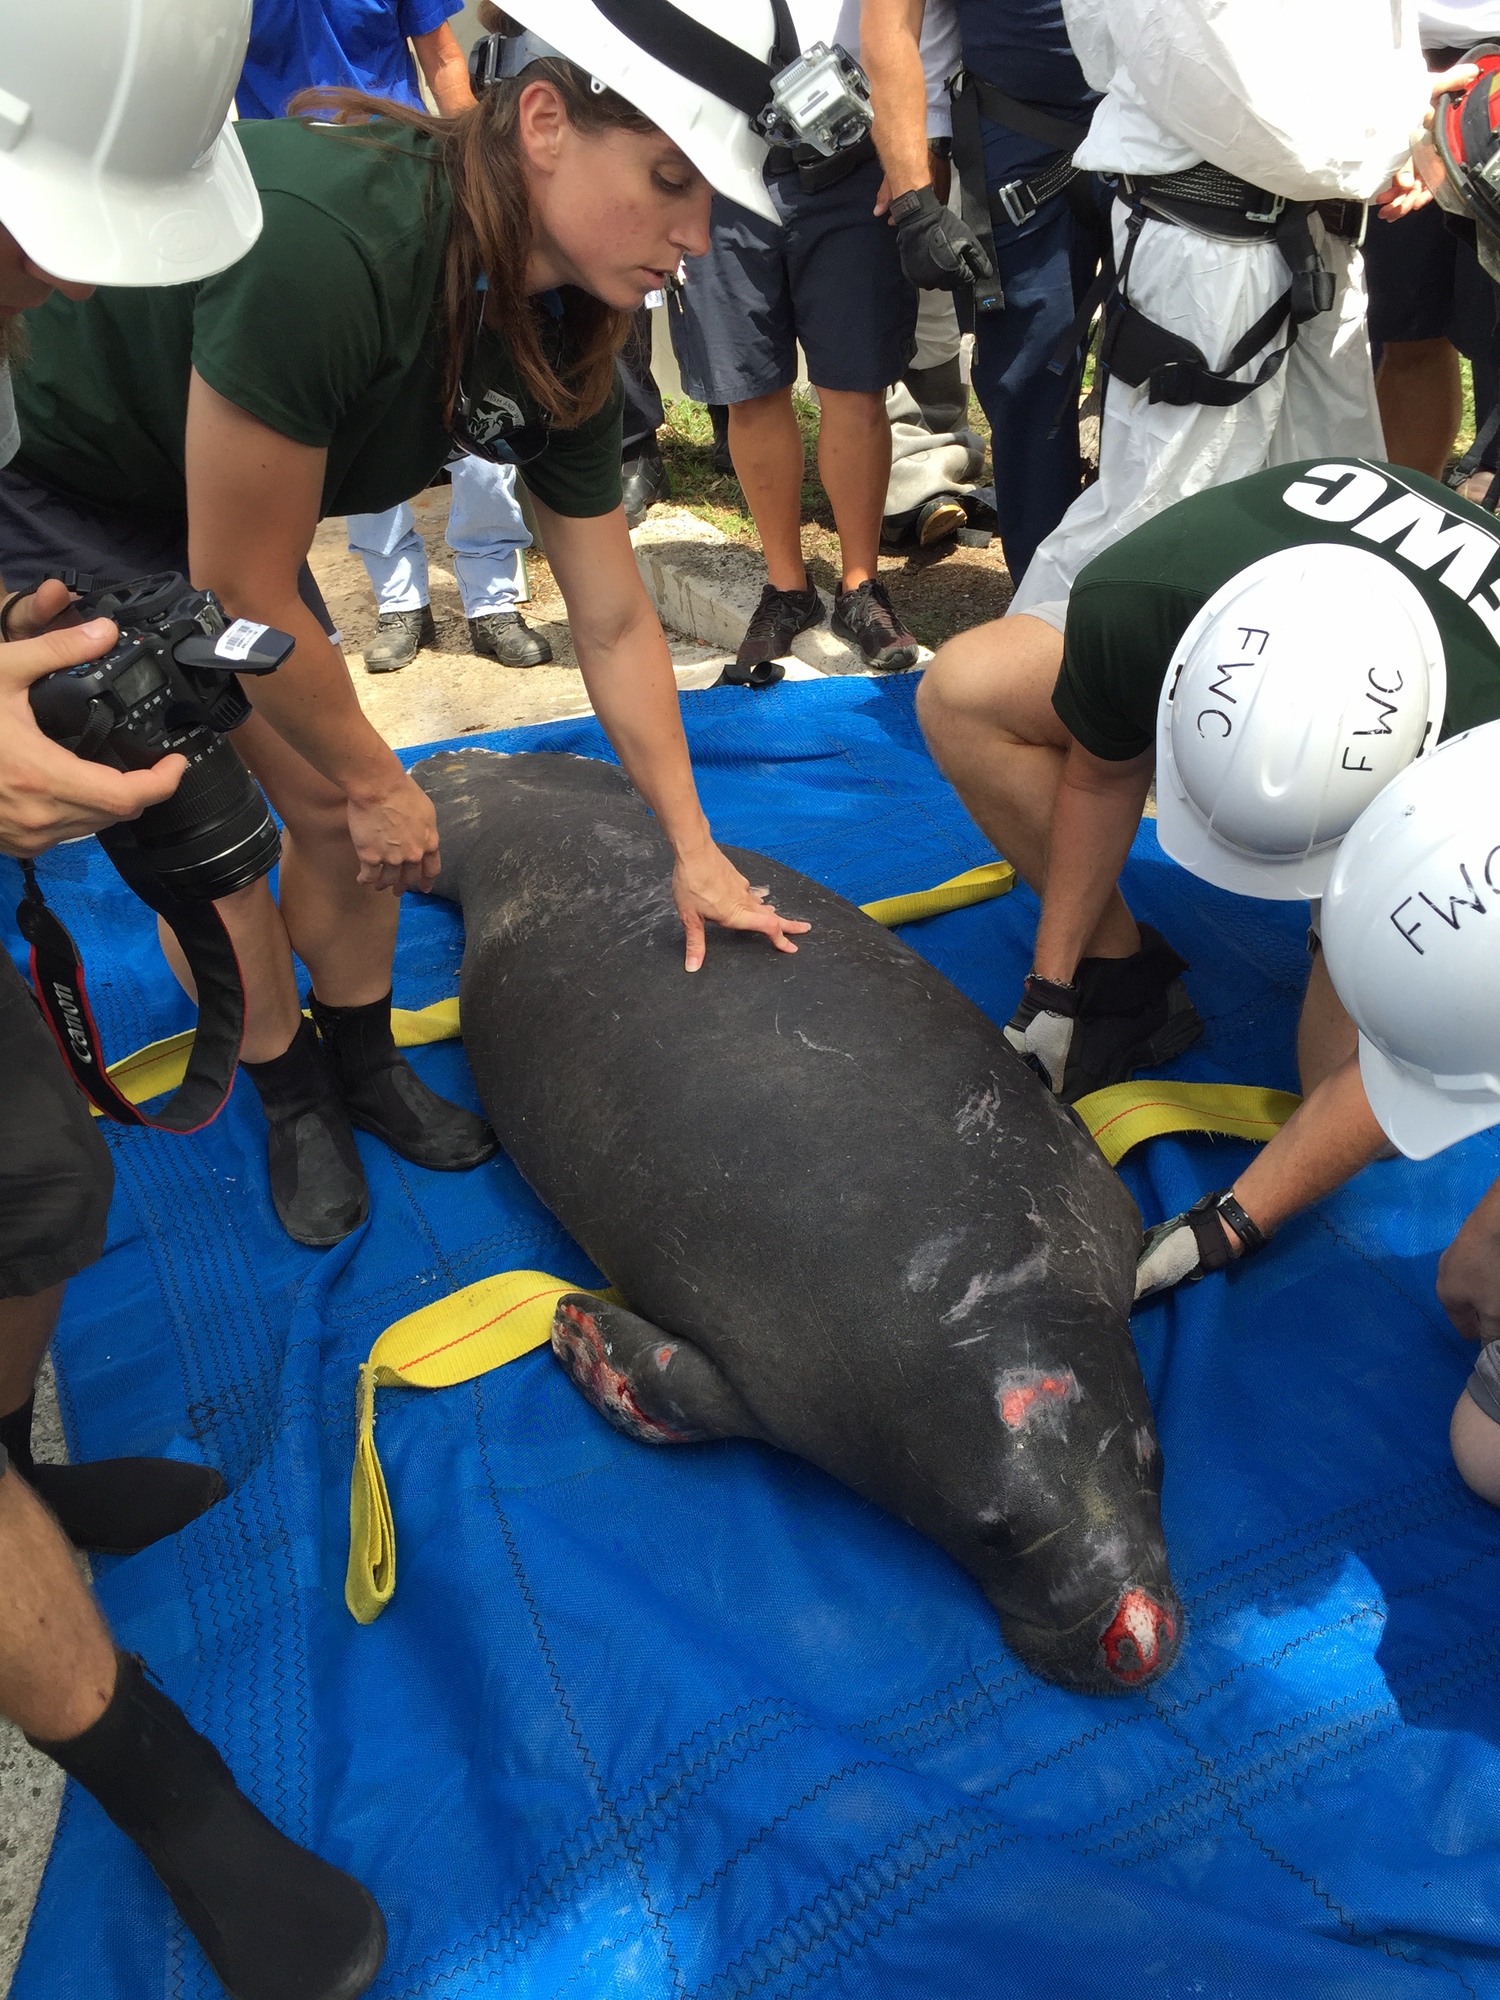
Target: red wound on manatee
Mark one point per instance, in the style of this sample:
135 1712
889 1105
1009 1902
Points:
1026 1395
1138 1636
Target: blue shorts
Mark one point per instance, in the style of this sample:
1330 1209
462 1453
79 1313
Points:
830 278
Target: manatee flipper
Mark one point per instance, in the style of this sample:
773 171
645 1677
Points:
648 1384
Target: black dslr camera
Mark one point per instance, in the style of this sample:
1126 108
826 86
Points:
169 685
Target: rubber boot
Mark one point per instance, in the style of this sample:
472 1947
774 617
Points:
114 1506
317 1182
275 1922
383 1094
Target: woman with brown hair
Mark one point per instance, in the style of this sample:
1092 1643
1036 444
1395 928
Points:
420 282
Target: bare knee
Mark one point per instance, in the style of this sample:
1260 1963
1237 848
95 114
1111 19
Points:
1475 1441
998 677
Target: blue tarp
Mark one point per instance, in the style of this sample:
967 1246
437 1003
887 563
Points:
699 1723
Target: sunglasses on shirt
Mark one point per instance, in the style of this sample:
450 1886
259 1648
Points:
493 426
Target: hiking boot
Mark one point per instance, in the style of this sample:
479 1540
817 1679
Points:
383 1094
866 618
317 1183
643 481
778 618
925 526
275 1921
505 636
399 637
113 1506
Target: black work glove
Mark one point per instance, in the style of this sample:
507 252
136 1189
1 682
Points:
938 250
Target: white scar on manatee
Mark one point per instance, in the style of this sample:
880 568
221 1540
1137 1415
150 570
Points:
995 1284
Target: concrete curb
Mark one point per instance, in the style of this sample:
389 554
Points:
706 587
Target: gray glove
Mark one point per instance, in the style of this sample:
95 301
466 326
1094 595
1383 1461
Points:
938 250
1189 1246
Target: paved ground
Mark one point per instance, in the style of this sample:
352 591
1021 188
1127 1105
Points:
445 692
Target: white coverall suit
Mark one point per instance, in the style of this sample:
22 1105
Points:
1314 102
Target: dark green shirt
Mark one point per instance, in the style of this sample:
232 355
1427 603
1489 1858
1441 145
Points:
331 331
1132 604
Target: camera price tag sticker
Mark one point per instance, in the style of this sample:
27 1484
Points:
235 641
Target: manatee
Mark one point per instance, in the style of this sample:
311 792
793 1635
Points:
848 1219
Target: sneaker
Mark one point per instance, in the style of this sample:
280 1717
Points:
505 636
643 481
778 618
867 619
399 637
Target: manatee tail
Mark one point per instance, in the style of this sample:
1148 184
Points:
648 1384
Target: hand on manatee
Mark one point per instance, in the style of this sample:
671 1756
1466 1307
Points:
708 886
1468 1274
395 835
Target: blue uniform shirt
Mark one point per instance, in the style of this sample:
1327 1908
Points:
1021 46
357 44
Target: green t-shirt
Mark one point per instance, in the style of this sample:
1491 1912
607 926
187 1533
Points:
330 331
1132 604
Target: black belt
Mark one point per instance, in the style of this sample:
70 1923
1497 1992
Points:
1219 203
1018 201
816 171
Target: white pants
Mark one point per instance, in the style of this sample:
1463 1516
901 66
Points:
485 532
1319 404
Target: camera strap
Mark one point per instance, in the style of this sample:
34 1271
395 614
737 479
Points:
58 977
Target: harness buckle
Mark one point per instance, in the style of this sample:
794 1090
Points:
1272 214
1018 200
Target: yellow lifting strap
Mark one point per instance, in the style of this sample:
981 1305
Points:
450 1341
1123 1114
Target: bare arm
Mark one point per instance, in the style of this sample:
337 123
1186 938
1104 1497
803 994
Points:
253 502
1094 820
1468 1279
447 74
628 673
890 49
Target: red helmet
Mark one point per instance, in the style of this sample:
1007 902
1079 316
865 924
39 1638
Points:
1466 134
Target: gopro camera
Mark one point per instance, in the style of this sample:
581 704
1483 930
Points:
822 100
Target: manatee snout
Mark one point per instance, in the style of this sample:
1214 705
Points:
1125 1642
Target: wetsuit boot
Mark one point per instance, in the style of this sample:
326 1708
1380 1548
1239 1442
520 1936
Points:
317 1182
383 1094
114 1506
1127 1014
275 1922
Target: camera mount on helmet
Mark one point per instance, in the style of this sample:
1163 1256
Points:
820 99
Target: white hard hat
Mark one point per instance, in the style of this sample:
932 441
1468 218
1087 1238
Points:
116 164
715 133
1411 933
1297 693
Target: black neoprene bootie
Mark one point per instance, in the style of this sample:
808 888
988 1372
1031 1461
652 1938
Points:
317 1182
383 1094
114 1506
275 1922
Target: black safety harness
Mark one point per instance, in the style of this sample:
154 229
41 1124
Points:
975 97
57 975
1217 204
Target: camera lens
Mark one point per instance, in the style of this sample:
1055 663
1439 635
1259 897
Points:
215 834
